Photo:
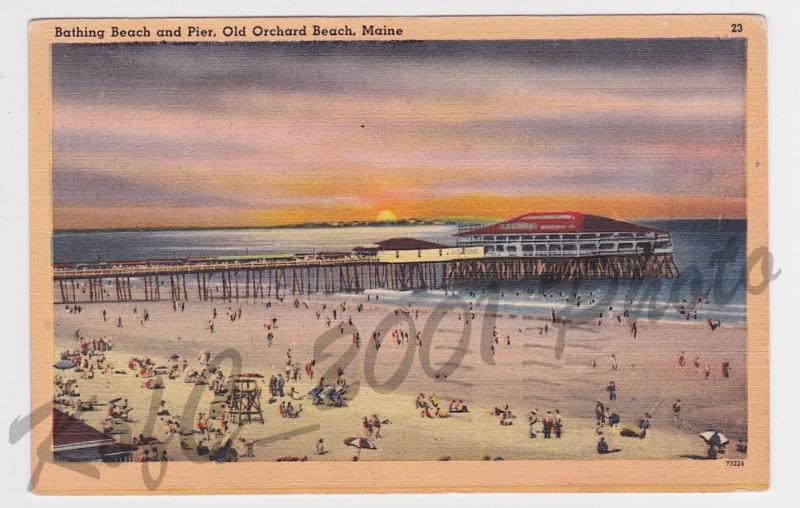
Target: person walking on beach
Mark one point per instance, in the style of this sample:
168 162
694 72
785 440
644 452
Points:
600 413
614 365
376 426
644 424
557 424
280 383
676 410
707 370
612 390
533 419
547 425
682 359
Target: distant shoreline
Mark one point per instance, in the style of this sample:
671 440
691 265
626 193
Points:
344 225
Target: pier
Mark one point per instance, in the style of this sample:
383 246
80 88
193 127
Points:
550 246
263 279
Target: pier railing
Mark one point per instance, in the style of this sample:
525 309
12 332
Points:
186 268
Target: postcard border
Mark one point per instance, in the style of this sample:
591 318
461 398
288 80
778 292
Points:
416 476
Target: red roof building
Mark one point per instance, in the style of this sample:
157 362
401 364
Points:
560 222
566 234
75 441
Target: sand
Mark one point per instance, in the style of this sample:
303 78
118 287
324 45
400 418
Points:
534 372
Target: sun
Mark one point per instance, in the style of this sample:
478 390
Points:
386 216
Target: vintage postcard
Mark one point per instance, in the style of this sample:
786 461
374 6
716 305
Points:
425 254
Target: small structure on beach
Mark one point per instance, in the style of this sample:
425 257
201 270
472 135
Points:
75 441
244 401
411 250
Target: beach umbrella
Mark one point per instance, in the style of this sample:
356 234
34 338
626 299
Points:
64 364
714 437
361 443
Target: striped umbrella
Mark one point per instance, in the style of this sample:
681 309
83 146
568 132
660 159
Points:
361 443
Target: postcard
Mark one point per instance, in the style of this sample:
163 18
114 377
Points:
411 254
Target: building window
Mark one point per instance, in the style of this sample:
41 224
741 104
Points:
440 252
419 253
397 253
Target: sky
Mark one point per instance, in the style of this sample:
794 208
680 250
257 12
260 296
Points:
261 134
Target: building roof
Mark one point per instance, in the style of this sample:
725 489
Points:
560 222
407 244
117 448
70 432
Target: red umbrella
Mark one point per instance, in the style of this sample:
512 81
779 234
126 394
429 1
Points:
361 443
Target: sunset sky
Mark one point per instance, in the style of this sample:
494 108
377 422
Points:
277 133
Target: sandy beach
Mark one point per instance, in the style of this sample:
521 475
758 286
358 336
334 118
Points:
536 371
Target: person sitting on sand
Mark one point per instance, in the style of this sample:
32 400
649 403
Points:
153 383
421 401
602 447
426 413
291 412
321 447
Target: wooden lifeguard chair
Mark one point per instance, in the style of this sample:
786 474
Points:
244 401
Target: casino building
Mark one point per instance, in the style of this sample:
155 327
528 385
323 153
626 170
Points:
565 235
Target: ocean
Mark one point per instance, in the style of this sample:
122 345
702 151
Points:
710 255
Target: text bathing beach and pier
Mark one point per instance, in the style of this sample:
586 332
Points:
538 245
116 32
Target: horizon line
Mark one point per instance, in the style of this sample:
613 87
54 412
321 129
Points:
345 224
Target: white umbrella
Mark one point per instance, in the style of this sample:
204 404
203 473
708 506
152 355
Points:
714 437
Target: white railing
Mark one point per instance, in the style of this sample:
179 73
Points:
135 270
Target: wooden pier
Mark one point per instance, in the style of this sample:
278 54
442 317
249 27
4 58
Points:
264 279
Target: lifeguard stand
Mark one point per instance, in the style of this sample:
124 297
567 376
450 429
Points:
244 401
